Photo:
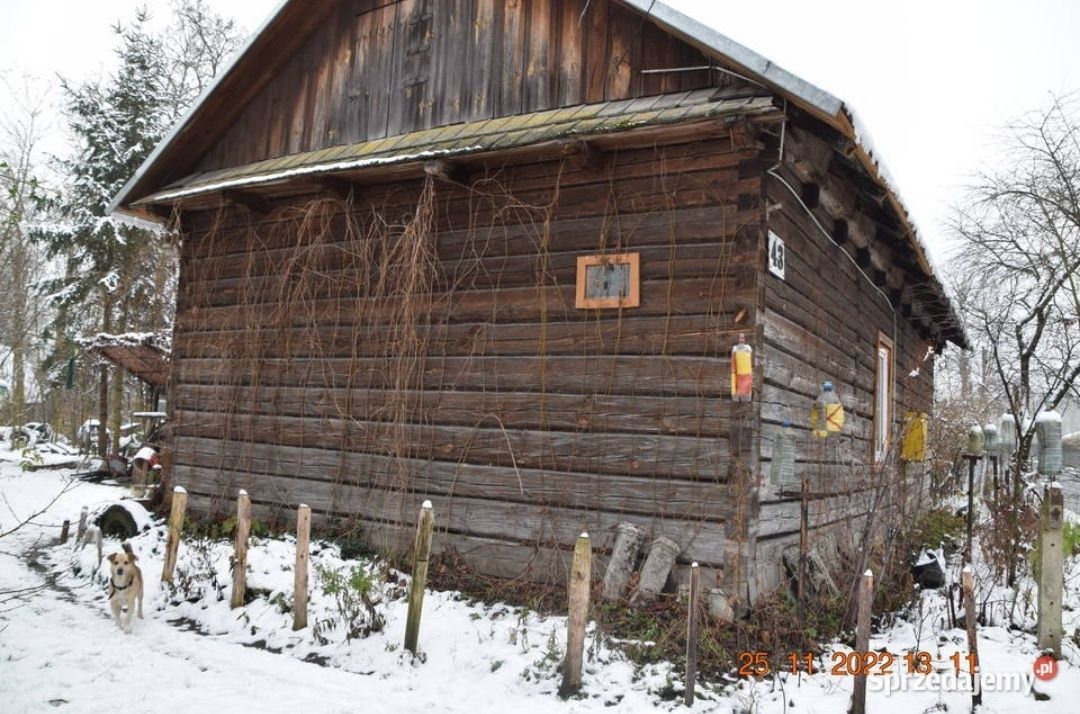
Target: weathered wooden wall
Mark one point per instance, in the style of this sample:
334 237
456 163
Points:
528 420
821 323
378 68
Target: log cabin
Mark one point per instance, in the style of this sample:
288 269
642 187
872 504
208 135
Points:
496 254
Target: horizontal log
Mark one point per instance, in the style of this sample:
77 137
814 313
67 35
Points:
784 517
249 255
499 199
681 499
692 296
701 377
515 522
608 413
620 454
677 335
723 263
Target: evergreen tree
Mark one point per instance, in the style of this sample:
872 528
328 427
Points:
119 275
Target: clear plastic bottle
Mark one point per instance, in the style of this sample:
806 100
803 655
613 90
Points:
974 441
1048 429
782 469
742 371
827 413
1007 435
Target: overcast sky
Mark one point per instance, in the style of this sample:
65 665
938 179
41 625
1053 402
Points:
934 81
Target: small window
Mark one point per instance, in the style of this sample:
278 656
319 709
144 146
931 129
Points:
606 281
883 395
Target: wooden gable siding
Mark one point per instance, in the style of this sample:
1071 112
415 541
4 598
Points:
375 69
529 420
821 323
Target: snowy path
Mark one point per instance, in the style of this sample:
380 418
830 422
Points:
61 650
57 652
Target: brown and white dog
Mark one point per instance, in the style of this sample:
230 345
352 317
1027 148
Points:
125 586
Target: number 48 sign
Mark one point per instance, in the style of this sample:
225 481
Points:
777 255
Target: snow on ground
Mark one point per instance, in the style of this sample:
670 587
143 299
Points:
192 652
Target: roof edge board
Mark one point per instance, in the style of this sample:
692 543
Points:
185 119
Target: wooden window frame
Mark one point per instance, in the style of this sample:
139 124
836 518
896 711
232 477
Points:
633 299
878 455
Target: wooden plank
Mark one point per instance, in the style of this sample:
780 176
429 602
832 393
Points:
676 335
694 296
538 91
718 262
411 68
650 497
701 377
624 54
488 219
486 36
599 412
658 53
700 154
452 62
570 63
596 47
515 522
638 454
508 99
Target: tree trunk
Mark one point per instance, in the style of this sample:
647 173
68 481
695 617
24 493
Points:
19 329
103 384
116 407
103 411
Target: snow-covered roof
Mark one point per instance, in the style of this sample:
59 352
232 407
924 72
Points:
143 354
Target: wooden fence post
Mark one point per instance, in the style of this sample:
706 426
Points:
300 581
64 529
240 548
80 534
176 523
862 638
971 459
692 623
578 592
1051 569
425 525
804 542
97 543
973 643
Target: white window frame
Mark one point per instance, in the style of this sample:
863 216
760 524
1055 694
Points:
884 377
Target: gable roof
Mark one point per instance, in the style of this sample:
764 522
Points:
291 22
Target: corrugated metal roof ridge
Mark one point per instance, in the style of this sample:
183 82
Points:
506 132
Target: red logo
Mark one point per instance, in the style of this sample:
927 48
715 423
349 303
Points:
1046 668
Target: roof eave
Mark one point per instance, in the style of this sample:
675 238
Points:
120 201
